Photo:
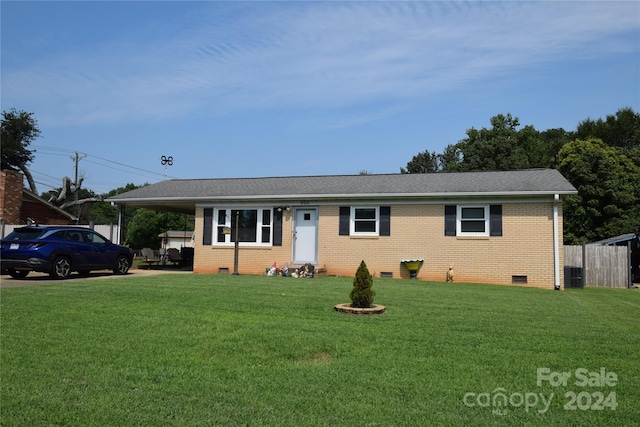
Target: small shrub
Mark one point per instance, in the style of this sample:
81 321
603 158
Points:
362 295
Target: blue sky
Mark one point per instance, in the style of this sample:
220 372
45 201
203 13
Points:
250 89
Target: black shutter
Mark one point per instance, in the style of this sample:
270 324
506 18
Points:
207 229
495 220
385 220
450 213
345 213
277 228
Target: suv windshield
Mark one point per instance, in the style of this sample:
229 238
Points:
24 234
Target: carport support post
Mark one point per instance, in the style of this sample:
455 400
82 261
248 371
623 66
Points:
236 247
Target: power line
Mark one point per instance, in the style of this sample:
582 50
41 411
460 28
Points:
63 150
121 170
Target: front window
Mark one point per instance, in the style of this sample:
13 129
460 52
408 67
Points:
364 221
253 226
473 220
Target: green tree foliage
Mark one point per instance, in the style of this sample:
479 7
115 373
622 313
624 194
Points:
429 162
621 130
18 130
105 213
552 141
424 162
608 199
146 224
451 158
362 295
502 147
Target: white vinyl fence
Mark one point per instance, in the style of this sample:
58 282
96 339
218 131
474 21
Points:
110 231
603 266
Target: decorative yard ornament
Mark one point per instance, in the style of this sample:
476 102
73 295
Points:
166 161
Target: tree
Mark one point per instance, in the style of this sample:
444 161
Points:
451 158
105 213
429 162
620 130
18 130
146 224
362 295
424 162
503 147
608 199
552 141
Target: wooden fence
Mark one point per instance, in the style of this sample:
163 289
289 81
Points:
604 266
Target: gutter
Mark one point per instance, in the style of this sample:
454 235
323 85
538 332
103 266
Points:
556 245
337 196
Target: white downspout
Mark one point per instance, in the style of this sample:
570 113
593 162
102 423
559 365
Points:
556 246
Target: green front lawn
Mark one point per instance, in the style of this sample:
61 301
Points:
250 350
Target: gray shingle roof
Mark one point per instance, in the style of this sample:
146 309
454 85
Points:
499 183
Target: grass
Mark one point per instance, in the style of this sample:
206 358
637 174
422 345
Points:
249 350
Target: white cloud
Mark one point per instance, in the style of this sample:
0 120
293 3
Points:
253 56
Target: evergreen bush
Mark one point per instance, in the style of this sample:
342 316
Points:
362 295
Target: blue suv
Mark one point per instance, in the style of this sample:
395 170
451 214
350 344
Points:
60 250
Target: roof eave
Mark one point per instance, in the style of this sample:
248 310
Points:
150 200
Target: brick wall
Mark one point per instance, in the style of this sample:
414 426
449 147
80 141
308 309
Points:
251 259
417 231
42 214
11 186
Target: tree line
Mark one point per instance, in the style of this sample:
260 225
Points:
601 158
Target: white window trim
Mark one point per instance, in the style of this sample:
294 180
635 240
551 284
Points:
459 221
228 241
352 221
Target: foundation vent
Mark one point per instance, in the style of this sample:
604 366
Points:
519 280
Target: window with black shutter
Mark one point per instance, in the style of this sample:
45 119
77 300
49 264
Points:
385 220
450 220
345 214
207 228
495 220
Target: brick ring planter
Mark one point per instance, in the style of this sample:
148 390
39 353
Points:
346 308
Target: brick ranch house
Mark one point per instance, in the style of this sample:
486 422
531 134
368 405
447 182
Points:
18 204
493 227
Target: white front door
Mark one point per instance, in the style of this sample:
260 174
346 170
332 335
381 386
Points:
305 236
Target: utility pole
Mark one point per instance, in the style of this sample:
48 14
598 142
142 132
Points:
77 159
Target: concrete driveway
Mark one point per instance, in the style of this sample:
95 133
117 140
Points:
40 279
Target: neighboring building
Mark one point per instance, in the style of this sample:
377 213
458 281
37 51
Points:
493 227
176 239
19 205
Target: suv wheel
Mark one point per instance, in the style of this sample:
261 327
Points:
122 265
61 268
18 274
